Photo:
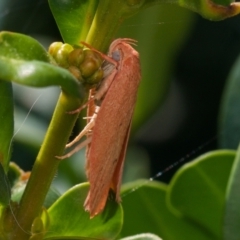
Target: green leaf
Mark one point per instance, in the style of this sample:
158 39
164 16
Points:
145 210
229 124
213 10
18 191
69 219
51 197
93 21
39 74
6 119
73 18
109 16
197 191
144 236
31 68
21 47
5 193
232 211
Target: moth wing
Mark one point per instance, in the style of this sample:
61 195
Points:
95 208
110 135
103 164
117 176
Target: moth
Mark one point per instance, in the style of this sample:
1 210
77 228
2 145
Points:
108 128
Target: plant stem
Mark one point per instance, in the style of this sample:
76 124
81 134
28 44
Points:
46 165
109 16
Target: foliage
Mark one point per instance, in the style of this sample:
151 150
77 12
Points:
202 199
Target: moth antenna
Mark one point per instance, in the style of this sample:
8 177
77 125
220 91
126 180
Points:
130 41
104 56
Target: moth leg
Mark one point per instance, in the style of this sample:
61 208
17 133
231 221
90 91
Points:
88 127
80 108
86 130
76 149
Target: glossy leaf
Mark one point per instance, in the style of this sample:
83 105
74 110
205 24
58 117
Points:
21 47
232 211
144 236
213 10
83 20
6 119
229 127
51 197
197 191
39 74
145 210
73 18
18 191
69 219
93 21
30 68
112 13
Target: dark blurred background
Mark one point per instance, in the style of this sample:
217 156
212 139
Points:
201 69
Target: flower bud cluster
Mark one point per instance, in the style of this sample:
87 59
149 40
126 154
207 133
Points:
83 63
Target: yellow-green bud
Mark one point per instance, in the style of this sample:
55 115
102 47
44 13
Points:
54 48
92 62
76 73
76 57
95 78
